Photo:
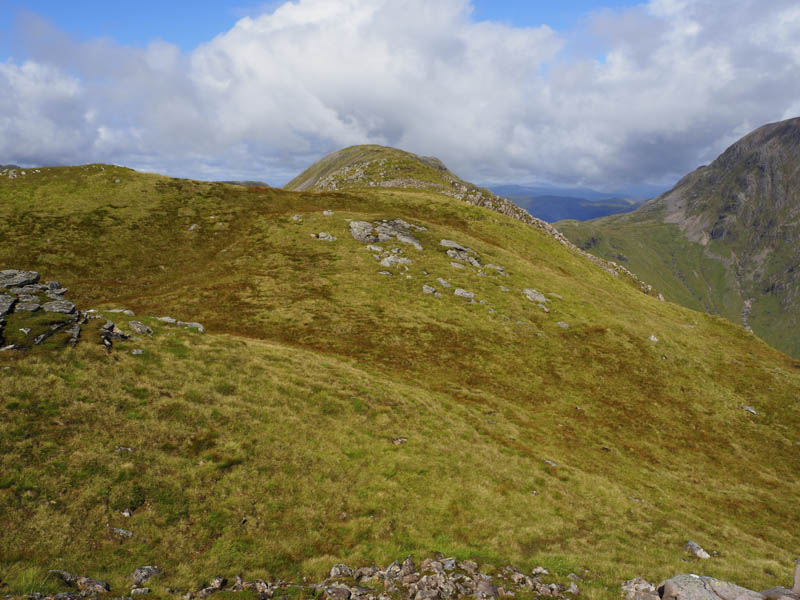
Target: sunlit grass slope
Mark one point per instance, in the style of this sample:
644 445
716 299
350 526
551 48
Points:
265 446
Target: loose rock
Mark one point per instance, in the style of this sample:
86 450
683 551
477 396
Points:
694 549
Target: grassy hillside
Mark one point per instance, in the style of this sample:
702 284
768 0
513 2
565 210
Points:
265 446
725 239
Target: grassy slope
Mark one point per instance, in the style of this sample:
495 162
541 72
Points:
284 412
378 163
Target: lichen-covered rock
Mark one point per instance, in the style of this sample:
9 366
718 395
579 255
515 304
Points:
6 304
140 328
535 296
59 306
92 586
15 278
696 587
142 574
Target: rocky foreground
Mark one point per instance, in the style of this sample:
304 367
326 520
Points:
437 578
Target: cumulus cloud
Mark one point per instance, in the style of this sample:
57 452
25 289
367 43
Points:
656 90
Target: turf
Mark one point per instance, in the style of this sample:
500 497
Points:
265 446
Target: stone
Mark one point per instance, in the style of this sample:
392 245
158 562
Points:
64 576
53 285
27 307
384 273
137 351
563 325
6 304
639 589
461 293
337 592
453 245
393 260
193 227
124 311
140 328
497 268
443 282
750 409
463 256
457 265
191 325
327 213
140 591
695 549
166 320
142 574
324 236
426 289
399 441
124 534
535 296
297 217
696 587
362 232
374 248
407 239
341 570
504 289
14 278
28 298
573 589
92 586
543 307
653 338
550 462
59 306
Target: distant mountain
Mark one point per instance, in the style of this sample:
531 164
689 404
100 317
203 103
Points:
8 167
725 239
247 183
553 207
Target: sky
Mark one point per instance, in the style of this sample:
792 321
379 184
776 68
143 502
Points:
602 94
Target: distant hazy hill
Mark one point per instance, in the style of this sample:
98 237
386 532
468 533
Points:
725 239
556 207
247 183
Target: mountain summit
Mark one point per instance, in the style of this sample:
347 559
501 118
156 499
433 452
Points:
725 239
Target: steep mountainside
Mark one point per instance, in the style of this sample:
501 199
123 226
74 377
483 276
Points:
725 239
382 372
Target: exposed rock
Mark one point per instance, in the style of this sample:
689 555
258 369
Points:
453 245
393 259
563 325
694 549
169 320
497 268
426 289
457 265
14 278
443 282
59 306
193 227
464 256
327 213
142 574
140 328
191 325
6 304
341 570
639 589
92 586
362 232
65 576
464 294
124 534
27 307
407 239
137 351
140 591
696 587
535 296
125 311
750 409
653 339
324 236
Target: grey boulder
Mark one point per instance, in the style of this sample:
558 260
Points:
697 587
60 306
142 574
14 278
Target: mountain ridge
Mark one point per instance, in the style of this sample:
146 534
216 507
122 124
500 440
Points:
724 239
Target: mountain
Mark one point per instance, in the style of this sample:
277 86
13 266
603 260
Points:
381 371
556 207
725 239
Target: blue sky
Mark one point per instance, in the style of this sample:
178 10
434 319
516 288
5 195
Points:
598 93
189 23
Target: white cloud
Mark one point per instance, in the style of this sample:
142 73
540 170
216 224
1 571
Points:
665 87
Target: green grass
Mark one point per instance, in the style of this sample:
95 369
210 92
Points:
264 446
